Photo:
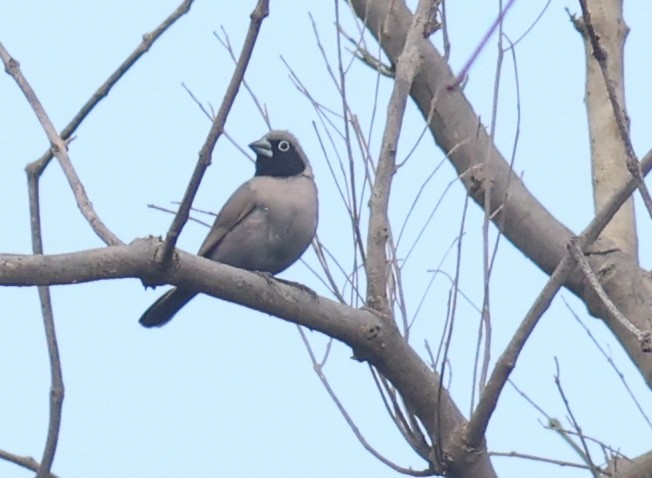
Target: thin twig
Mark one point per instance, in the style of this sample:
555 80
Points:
461 76
480 419
585 454
526 456
408 65
601 56
317 367
410 431
25 461
340 83
172 211
59 148
103 91
452 308
259 13
56 373
642 336
611 362
262 109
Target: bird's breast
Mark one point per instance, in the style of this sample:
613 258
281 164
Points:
278 230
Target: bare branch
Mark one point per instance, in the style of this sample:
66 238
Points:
525 456
103 91
318 368
409 63
580 258
514 210
56 374
262 109
507 361
612 153
25 461
259 13
59 149
373 338
584 453
611 362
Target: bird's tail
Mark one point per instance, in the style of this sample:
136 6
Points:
162 311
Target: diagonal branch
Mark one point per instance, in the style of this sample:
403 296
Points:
480 419
580 258
60 150
371 337
26 462
260 12
102 92
514 210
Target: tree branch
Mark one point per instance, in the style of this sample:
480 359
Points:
259 13
611 150
25 461
373 338
102 92
408 65
60 150
519 215
56 374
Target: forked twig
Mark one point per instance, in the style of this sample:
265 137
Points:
59 148
105 88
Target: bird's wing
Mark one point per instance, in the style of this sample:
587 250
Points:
238 207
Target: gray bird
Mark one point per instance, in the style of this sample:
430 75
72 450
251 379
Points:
265 225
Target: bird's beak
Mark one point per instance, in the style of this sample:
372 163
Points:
262 147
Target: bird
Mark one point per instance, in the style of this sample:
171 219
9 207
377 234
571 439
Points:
266 224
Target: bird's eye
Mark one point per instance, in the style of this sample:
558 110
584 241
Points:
283 146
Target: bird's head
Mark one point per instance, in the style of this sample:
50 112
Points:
279 154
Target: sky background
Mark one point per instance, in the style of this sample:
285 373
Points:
226 391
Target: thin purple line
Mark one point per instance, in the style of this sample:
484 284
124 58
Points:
483 42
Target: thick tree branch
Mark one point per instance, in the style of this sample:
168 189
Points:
639 467
372 337
518 214
604 31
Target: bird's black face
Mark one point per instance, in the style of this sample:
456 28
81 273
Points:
277 157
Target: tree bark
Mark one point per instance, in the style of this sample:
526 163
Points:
523 220
608 152
373 338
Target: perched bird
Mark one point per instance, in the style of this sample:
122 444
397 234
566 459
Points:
266 224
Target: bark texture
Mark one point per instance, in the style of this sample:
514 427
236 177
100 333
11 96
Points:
514 210
608 152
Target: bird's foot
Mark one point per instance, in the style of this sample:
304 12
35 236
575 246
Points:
271 280
298 285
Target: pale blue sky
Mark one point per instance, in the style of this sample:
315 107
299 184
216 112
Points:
225 391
